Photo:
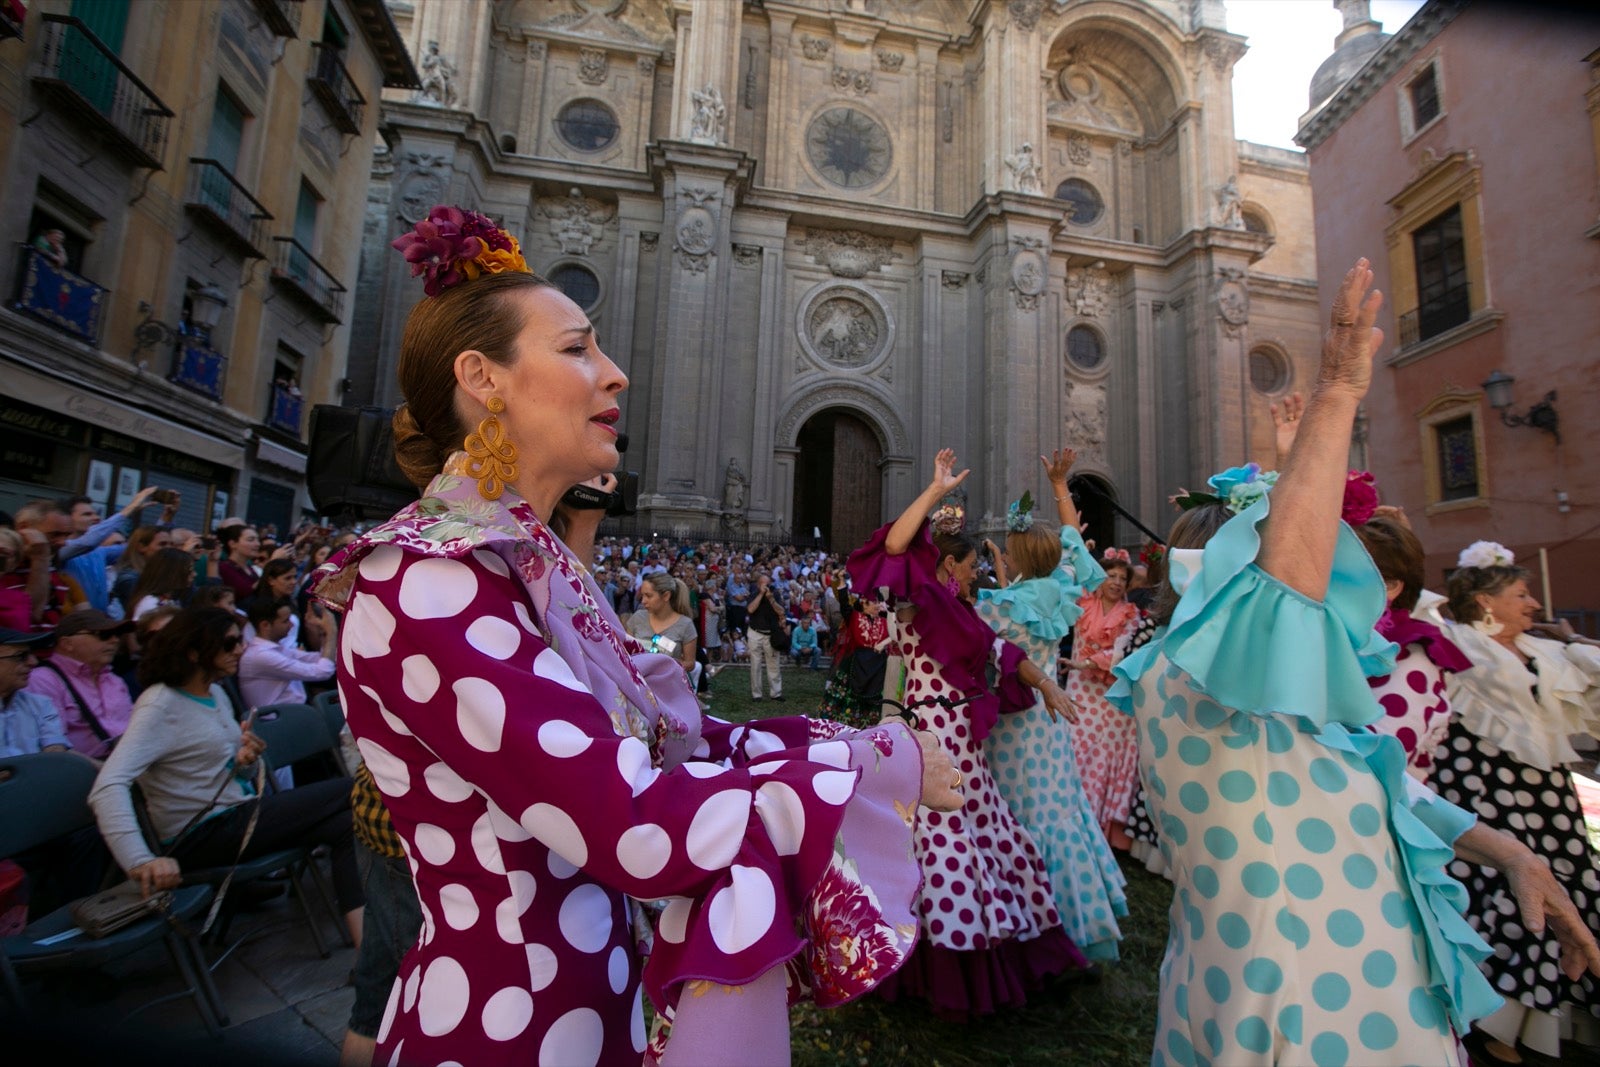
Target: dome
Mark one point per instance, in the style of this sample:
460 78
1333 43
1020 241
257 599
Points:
1346 61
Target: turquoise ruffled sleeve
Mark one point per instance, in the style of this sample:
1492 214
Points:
1048 607
1254 645
1425 827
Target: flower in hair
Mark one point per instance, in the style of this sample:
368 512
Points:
1019 516
1152 553
1360 497
453 245
1236 487
1116 555
1486 554
948 518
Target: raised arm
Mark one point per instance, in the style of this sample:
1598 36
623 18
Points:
1056 467
1297 541
944 480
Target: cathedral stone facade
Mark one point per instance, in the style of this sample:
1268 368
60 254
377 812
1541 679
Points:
825 238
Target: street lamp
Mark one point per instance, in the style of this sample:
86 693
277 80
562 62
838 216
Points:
1542 416
206 304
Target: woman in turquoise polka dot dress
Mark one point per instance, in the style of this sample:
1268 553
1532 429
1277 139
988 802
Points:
1313 921
1029 752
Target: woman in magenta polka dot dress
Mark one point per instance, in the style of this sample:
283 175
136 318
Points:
1416 710
991 932
547 776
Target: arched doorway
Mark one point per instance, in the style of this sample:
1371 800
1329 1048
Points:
838 483
1094 495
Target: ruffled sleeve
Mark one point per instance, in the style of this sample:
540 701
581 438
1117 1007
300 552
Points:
871 567
1048 607
1425 828
1254 645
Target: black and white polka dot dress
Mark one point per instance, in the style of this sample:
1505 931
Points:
1141 827
1540 808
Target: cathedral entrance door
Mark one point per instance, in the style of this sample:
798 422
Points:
838 483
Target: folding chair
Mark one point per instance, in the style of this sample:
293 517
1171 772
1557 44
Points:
43 797
333 719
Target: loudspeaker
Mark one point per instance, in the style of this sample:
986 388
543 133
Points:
351 469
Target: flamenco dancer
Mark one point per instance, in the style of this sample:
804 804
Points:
991 932
1030 752
544 772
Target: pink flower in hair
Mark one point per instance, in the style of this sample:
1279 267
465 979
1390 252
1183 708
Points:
1360 497
453 245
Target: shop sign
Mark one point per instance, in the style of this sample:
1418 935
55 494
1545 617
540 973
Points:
25 417
32 461
106 441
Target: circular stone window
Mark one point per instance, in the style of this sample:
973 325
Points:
1269 371
579 283
1087 207
848 147
1085 350
587 125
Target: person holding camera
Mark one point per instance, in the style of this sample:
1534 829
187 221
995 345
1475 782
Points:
544 773
766 619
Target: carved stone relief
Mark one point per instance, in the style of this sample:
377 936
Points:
816 47
1233 300
1089 291
1029 275
424 186
710 121
648 242
849 253
890 62
1025 13
593 66
1086 419
858 82
577 222
1078 151
747 257
953 279
1026 174
844 326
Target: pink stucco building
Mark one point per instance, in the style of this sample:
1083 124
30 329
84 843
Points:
1461 158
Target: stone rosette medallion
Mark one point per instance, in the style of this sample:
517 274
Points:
844 326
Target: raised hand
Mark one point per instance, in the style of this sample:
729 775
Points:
1352 339
944 477
1058 464
1286 423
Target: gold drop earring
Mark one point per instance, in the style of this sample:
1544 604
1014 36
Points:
494 457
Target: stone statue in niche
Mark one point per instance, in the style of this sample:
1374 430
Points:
438 78
710 116
1026 173
735 487
1230 213
1089 291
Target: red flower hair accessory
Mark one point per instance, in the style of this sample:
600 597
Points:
453 245
1360 497
1152 553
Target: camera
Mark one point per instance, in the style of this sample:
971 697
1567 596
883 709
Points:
623 500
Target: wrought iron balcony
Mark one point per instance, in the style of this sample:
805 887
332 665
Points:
335 88
56 295
281 16
198 366
286 409
298 273
88 80
216 198
1434 317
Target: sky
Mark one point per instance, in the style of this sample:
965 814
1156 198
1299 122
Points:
1288 41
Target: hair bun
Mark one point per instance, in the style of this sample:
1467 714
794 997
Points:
419 458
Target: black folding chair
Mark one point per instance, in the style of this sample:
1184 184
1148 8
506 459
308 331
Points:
44 797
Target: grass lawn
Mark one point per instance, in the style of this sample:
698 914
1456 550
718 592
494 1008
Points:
1110 1024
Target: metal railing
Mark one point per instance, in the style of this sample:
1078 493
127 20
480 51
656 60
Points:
335 88
217 197
285 409
297 270
281 16
1434 317
88 78
198 366
56 295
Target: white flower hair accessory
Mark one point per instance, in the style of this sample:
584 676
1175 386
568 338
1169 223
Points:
1486 554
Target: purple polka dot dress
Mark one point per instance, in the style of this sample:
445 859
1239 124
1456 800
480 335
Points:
578 837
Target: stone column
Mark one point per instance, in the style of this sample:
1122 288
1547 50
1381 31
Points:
700 186
1013 103
708 58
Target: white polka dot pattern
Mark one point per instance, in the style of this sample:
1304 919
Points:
562 739
419 678
586 918
445 784
834 787
574 1040
368 630
742 913
494 637
460 910
552 668
381 564
444 998
491 561
388 770
559 833
507 1014
437 589
434 843
480 713
617 969
542 967
784 816
644 850
718 829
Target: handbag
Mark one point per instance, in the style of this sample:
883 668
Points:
108 911
780 639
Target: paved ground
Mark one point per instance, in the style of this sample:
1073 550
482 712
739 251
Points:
286 1004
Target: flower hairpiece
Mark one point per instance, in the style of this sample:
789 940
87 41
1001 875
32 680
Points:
1152 553
948 518
1116 555
453 245
1360 497
1236 487
1486 554
1019 516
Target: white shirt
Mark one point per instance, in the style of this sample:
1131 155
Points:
272 674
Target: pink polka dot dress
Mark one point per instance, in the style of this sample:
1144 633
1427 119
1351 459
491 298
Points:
549 781
1416 711
990 927
1104 739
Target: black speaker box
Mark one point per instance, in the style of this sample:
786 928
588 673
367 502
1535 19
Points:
351 469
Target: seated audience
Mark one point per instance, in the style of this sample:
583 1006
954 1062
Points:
269 673
77 679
